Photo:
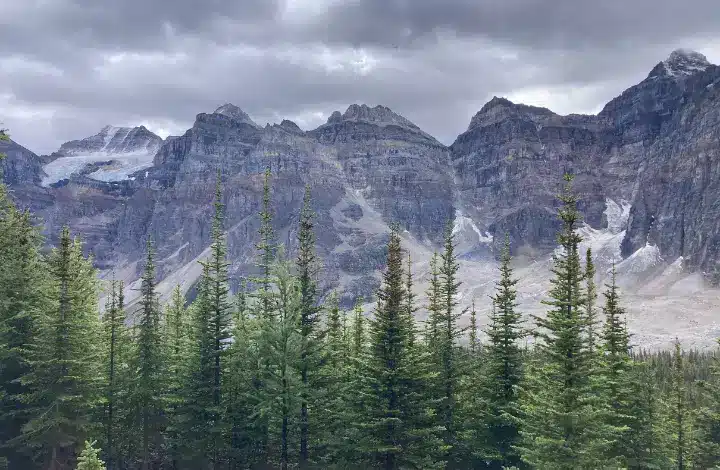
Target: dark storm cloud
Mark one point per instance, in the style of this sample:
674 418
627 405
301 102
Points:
67 67
529 23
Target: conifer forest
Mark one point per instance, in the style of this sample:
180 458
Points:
277 376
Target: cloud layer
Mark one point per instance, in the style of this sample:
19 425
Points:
68 67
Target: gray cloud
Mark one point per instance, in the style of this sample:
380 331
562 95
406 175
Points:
68 67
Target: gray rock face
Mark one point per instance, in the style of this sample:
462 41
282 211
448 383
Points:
654 148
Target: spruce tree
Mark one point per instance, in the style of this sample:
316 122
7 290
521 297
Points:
266 247
89 458
410 306
307 267
615 369
238 393
448 335
708 420
557 429
503 369
434 305
358 328
149 366
23 283
117 349
218 318
680 415
473 342
281 347
177 345
396 429
590 299
65 376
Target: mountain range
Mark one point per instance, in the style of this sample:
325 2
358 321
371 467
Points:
647 170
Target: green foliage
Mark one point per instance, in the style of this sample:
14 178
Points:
560 426
65 379
89 458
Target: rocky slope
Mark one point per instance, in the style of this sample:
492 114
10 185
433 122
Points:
646 168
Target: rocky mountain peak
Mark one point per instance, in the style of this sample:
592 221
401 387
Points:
234 112
499 108
681 63
378 115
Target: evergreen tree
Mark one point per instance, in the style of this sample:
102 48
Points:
239 384
177 345
503 370
396 428
65 376
434 306
646 440
218 318
266 247
199 416
590 299
149 367
358 329
410 307
558 426
708 449
615 367
680 418
449 334
23 283
282 343
310 341
116 360
473 341
89 458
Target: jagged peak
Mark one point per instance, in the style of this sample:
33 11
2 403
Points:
681 63
234 112
381 115
500 106
290 126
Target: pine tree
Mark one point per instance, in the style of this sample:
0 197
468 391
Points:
449 334
89 458
310 341
65 376
23 282
503 370
557 429
396 429
149 367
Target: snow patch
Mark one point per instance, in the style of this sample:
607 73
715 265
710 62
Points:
617 215
121 167
463 223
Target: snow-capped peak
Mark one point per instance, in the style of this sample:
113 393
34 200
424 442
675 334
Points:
681 63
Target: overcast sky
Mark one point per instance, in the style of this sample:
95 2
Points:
69 67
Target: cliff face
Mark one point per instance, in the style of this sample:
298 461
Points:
646 170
